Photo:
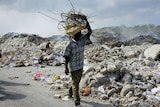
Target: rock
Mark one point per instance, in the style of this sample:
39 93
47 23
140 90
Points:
141 57
111 92
138 75
115 101
101 79
48 57
86 79
88 69
152 52
103 97
83 83
93 83
57 96
149 62
127 78
126 89
129 94
130 99
130 54
103 70
134 104
58 84
111 67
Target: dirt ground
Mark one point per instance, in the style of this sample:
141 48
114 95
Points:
18 89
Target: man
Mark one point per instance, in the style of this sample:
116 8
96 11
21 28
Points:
74 57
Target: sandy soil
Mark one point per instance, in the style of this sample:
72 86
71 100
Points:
18 89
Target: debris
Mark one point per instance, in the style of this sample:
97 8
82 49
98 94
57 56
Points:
152 52
28 71
14 77
56 78
65 98
86 91
126 75
38 76
126 88
101 89
57 96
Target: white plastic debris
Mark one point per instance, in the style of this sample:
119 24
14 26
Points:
154 94
155 90
101 89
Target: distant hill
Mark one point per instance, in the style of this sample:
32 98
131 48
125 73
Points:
117 34
124 33
32 37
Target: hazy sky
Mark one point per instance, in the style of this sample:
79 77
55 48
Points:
22 15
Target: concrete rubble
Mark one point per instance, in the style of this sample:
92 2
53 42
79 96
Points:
124 75
30 50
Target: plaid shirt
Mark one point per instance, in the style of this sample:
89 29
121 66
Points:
75 51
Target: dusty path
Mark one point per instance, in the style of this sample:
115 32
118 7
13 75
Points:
18 89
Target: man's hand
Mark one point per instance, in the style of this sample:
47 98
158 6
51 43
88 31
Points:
66 65
66 71
88 27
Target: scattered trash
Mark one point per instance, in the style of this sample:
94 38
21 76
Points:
57 96
28 71
86 91
65 98
38 76
14 77
56 78
110 62
101 89
49 81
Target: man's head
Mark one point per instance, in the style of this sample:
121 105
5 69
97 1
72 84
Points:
77 36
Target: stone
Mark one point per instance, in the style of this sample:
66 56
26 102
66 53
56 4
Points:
152 52
92 83
130 54
126 89
149 62
103 70
111 92
130 99
58 84
83 83
129 94
127 78
57 96
103 97
88 69
134 104
111 67
101 79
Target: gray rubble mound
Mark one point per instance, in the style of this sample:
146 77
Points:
127 74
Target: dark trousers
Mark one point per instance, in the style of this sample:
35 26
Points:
74 89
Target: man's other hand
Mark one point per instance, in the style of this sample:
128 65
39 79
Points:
66 71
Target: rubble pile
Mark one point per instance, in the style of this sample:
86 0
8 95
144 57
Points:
28 50
126 75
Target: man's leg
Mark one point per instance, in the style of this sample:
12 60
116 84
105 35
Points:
76 77
70 92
